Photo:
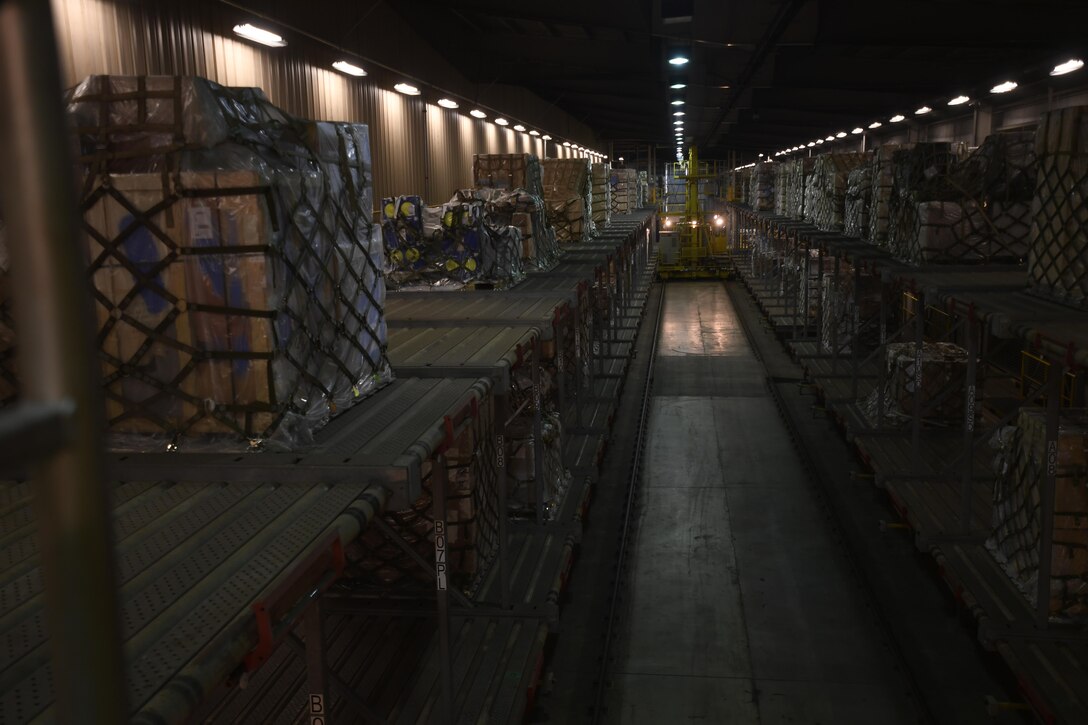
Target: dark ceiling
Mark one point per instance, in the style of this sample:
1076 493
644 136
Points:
763 74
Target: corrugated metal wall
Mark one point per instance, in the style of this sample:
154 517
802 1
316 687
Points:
418 148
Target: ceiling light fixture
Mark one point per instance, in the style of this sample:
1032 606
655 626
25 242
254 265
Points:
678 113
407 89
841 134
858 130
477 113
819 141
534 132
350 68
566 143
830 138
959 100
545 137
1004 87
678 86
875 124
447 103
519 127
501 122
922 111
1059 70
260 35
677 103
811 144
678 60
897 118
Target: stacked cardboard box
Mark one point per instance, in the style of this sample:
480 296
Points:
761 194
568 196
912 168
508 172
1016 539
858 191
602 194
238 286
826 207
882 178
1058 259
624 191
942 375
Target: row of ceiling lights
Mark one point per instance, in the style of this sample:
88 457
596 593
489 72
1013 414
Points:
273 40
678 61
1073 64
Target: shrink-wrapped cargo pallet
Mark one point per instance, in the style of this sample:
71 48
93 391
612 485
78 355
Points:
782 172
508 172
911 169
940 398
527 212
624 191
761 193
846 310
237 282
472 520
882 179
830 176
796 187
447 245
1016 538
568 197
856 208
601 175
1058 260
643 190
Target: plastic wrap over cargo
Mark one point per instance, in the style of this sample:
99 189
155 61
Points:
601 175
1058 260
761 193
528 213
856 207
796 183
942 375
912 168
237 282
829 184
946 231
881 180
568 197
508 171
447 246
624 191
782 172
1016 538
849 306
643 189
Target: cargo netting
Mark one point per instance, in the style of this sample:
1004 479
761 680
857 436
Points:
881 180
1058 259
797 177
448 246
825 204
472 521
524 211
939 383
601 174
856 208
1016 537
236 276
569 199
624 184
761 191
508 172
849 306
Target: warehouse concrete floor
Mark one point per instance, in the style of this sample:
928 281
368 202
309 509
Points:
743 607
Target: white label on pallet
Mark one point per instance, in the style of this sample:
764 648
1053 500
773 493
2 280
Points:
970 416
317 709
1052 458
440 554
201 225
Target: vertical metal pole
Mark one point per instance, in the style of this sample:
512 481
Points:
439 481
314 632
55 324
1046 496
835 321
969 423
538 435
502 412
803 289
855 343
916 419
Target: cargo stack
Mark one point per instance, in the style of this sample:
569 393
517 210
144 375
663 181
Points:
742 185
237 281
979 210
508 172
569 200
1058 259
1016 539
643 190
881 179
624 191
856 209
524 211
826 207
601 175
799 174
846 309
761 194
782 172
944 368
911 169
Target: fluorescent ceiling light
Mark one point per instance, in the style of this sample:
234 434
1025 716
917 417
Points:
819 141
678 60
858 130
677 122
501 122
407 89
566 143
830 138
545 137
534 132
677 103
447 103
922 111
350 68
1059 70
677 86
897 118
959 101
841 134
875 124
519 127
678 113
260 35
811 144
1004 87
477 113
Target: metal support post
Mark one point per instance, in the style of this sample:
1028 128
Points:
835 324
803 290
442 594
882 367
59 370
855 338
314 633
1046 496
967 474
502 412
538 435
916 419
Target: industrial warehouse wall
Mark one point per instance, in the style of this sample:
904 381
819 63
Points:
418 147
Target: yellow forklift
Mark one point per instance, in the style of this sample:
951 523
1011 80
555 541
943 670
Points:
694 243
